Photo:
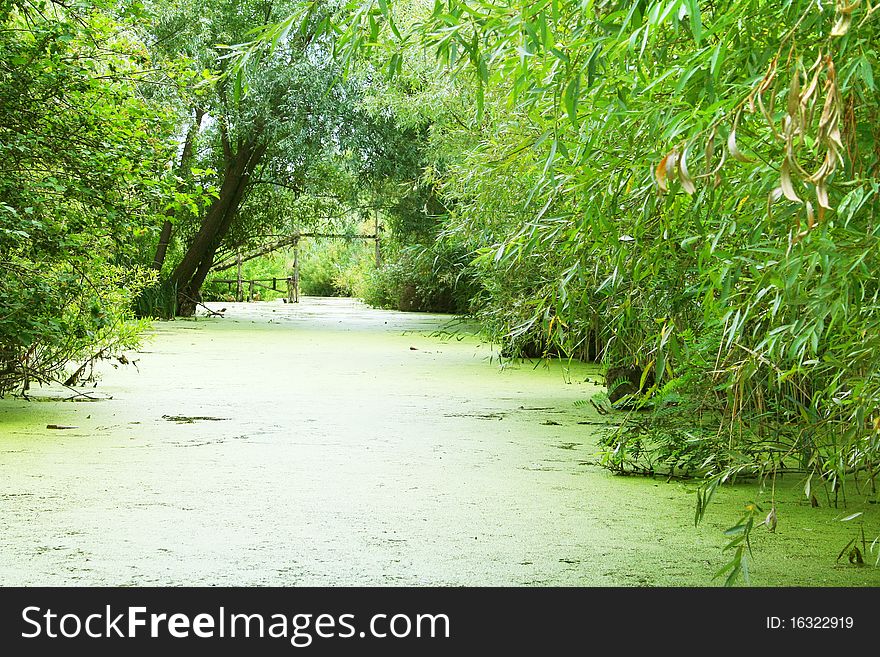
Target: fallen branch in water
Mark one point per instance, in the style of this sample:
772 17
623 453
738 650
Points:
212 313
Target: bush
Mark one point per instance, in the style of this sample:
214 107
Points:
421 279
333 268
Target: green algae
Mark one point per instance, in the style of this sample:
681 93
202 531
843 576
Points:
362 447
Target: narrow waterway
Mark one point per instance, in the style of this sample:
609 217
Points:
326 443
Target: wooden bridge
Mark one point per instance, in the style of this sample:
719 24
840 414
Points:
291 282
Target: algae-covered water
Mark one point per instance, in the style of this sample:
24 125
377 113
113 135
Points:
326 443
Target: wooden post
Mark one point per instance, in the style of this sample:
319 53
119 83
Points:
290 289
376 233
251 291
239 288
295 298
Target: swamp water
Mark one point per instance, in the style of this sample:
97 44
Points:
326 443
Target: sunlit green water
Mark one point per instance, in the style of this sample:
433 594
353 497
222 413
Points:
350 446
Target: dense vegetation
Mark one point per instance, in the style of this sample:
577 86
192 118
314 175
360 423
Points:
684 191
82 180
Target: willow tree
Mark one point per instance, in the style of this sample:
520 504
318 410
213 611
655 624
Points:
272 124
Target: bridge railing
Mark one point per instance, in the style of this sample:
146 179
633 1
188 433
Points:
291 289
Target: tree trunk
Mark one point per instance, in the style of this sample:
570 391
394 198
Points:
164 239
182 171
189 275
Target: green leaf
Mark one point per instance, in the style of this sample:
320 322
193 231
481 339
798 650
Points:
693 9
591 64
394 65
571 97
237 86
736 529
551 158
716 62
866 73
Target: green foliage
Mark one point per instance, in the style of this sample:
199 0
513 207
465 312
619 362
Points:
421 278
334 268
82 180
157 300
